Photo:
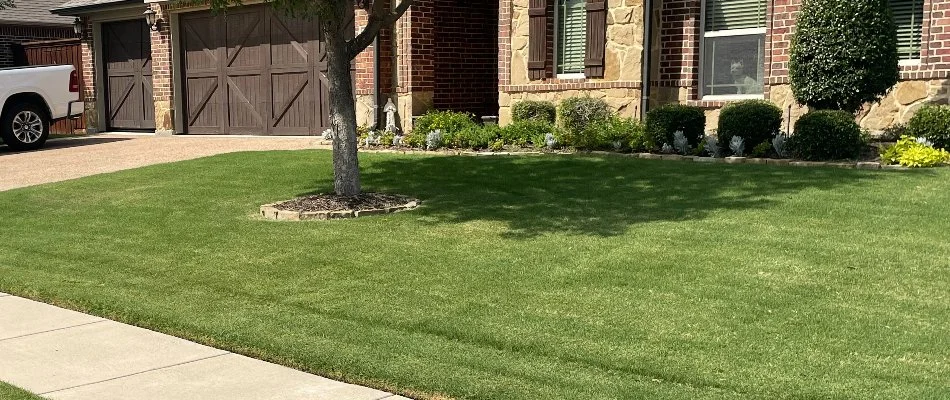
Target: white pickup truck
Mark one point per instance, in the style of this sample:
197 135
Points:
32 98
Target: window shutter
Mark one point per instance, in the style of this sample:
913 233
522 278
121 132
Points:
908 15
596 38
724 15
537 38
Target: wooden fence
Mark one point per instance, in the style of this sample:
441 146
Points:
58 52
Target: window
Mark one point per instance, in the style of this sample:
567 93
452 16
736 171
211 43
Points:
733 47
571 36
909 16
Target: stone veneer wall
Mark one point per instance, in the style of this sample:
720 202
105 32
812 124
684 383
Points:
621 84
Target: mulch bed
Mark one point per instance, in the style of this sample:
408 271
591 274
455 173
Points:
333 202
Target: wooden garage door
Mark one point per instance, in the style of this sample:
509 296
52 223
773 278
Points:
127 52
253 71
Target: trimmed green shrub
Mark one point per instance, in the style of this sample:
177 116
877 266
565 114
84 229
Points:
663 121
910 152
533 109
843 53
931 122
761 150
616 133
826 135
449 122
475 137
525 133
756 121
576 113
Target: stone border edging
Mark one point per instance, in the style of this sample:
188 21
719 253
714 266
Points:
271 212
865 165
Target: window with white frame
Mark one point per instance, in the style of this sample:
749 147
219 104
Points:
909 17
571 17
733 47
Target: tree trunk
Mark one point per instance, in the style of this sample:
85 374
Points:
346 168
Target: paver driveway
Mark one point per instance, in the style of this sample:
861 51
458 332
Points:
72 158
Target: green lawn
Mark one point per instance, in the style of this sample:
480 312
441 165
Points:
520 277
9 392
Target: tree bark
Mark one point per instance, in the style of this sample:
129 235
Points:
346 168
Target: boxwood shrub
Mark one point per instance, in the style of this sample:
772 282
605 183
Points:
756 121
933 123
534 109
449 122
826 135
663 121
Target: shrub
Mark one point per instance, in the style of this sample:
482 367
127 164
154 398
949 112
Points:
531 109
933 123
475 137
910 152
449 122
576 113
615 133
757 121
526 133
663 121
762 149
893 133
843 53
826 135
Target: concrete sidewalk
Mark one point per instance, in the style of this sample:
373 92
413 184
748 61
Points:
62 354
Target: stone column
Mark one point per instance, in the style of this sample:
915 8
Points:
162 87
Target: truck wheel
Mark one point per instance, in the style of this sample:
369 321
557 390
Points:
24 127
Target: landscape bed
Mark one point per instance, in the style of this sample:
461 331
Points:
536 277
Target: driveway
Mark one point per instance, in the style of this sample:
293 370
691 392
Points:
71 158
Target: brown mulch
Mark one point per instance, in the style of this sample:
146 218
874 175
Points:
333 202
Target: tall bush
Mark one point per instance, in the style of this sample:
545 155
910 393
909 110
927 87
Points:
844 53
756 121
662 122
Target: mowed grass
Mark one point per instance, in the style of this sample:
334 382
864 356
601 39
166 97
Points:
520 277
10 392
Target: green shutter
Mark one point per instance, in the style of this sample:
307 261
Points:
572 36
909 16
723 15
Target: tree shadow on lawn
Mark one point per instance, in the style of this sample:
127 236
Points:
588 195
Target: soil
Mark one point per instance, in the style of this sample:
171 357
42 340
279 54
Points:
333 202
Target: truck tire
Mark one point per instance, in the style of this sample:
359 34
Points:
25 126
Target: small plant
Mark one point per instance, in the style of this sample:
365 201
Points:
497 145
387 139
476 137
550 141
914 153
534 110
826 135
680 143
931 122
434 140
577 113
756 121
663 121
761 149
779 143
737 145
712 145
667 149
893 133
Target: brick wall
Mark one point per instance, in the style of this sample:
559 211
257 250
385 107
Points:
162 87
466 56
12 35
679 45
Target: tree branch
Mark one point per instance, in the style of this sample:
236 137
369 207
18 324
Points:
378 18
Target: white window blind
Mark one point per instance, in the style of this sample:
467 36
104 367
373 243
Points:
572 36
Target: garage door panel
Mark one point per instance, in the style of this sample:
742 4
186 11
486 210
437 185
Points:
266 67
127 58
203 104
244 101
